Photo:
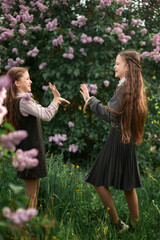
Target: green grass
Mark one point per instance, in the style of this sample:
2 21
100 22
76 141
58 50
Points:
78 212
76 208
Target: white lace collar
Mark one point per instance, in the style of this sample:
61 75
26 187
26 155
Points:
121 81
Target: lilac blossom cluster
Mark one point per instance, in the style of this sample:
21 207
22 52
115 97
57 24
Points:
106 83
58 41
10 140
33 53
36 28
58 139
51 26
83 51
125 2
45 88
118 29
25 159
92 88
4 82
41 6
6 33
135 22
21 215
3 110
70 124
85 38
70 54
73 148
12 63
27 96
105 3
42 65
98 40
80 22
119 11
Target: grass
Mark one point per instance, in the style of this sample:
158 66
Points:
77 211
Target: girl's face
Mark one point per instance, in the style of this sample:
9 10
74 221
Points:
24 83
120 67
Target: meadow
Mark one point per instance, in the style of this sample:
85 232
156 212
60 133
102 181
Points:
70 209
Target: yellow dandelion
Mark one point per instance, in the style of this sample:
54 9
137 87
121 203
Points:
77 166
77 190
73 165
54 237
40 205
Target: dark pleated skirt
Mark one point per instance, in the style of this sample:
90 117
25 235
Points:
116 164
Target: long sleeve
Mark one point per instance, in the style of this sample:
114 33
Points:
100 110
33 108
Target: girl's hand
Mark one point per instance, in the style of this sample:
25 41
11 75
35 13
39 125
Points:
57 96
85 93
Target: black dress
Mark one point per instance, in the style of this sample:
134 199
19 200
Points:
116 164
34 140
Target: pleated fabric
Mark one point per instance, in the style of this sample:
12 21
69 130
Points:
116 164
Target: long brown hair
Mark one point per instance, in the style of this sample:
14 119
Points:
15 74
134 103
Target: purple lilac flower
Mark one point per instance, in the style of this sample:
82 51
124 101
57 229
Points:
26 17
27 96
14 50
106 83
104 3
25 159
58 139
135 22
98 39
156 40
83 51
125 2
70 54
25 42
85 39
41 6
132 32
143 43
93 88
144 31
8 141
80 22
70 124
20 216
58 41
5 81
119 11
33 52
42 65
45 88
51 26
108 29
124 38
73 148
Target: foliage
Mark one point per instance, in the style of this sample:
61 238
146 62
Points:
94 66
70 209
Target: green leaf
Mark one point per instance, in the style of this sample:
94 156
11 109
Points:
9 127
15 189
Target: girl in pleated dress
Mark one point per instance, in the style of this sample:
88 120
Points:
116 164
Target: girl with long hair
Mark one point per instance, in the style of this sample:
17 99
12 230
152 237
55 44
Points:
24 113
116 164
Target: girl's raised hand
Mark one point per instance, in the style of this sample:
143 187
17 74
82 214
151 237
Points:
57 96
85 93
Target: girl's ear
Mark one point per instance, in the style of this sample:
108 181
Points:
16 83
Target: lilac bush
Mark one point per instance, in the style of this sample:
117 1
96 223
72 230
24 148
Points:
74 42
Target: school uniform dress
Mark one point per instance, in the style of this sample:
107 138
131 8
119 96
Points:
116 164
29 115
